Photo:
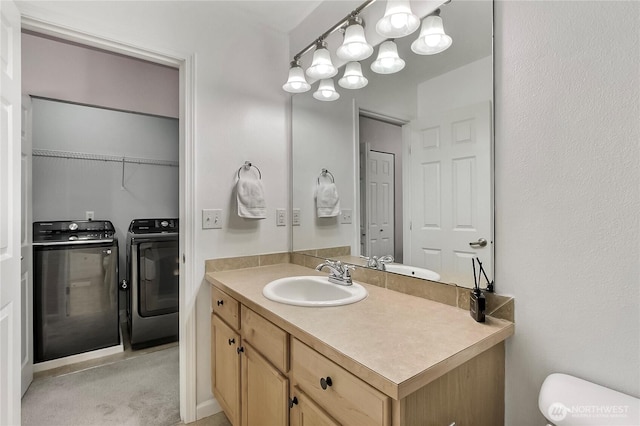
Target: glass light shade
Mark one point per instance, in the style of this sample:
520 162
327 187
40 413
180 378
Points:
296 83
353 78
321 66
432 37
326 91
388 60
355 46
398 20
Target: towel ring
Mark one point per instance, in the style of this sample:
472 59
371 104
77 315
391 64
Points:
324 173
248 165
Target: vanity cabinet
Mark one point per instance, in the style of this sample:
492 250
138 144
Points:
342 395
249 361
273 368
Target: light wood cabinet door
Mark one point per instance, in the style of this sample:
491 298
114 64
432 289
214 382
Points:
225 368
264 391
305 412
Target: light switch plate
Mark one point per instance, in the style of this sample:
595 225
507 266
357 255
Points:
281 217
212 219
89 215
295 220
345 216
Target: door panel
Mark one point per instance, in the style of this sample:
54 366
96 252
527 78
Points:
308 413
451 201
225 368
10 181
264 391
380 203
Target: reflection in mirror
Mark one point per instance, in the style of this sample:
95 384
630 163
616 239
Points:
411 157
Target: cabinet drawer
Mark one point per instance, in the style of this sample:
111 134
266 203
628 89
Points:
348 399
226 307
271 341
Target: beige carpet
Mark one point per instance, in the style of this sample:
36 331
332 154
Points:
136 391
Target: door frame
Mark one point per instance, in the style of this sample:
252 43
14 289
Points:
185 63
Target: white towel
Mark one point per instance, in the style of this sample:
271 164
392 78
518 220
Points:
327 200
251 202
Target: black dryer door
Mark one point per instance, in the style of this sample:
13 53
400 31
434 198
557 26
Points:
159 266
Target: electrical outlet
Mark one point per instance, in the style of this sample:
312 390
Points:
345 216
212 219
295 220
88 215
281 217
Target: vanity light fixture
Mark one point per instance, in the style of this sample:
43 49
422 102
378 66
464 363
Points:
296 83
388 61
398 20
326 91
353 78
432 37
355 46
321 66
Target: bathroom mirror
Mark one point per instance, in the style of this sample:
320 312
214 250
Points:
411 155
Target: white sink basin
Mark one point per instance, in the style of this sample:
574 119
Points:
412 271
312 291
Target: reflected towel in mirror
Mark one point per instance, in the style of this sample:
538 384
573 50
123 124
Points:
250 195
327 200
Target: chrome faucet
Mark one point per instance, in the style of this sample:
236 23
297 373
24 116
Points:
378 262
338 273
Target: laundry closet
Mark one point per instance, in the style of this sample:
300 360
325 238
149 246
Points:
104 186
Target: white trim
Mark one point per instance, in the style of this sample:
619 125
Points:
186 65
73 359
188 288
207 408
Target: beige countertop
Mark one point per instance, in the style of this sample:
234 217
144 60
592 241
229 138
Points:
395 342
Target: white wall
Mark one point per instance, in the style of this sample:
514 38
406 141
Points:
241 114
58 70
467 85
324 135
567 193
64 189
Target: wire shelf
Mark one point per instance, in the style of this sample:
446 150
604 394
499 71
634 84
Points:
100 157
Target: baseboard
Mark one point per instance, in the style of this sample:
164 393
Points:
72 359
207 408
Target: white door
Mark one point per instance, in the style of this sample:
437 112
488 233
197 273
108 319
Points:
10 181
26 236
380 203
451 199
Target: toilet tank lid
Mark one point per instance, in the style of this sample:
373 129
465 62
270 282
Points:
567 401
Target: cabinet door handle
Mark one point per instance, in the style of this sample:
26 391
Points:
293 401
232 341
240 350
220 302
325 382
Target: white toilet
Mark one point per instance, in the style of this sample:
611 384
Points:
568 401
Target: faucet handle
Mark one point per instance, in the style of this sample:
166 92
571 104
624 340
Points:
346 269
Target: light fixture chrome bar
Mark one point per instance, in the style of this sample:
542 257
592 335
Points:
333 29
